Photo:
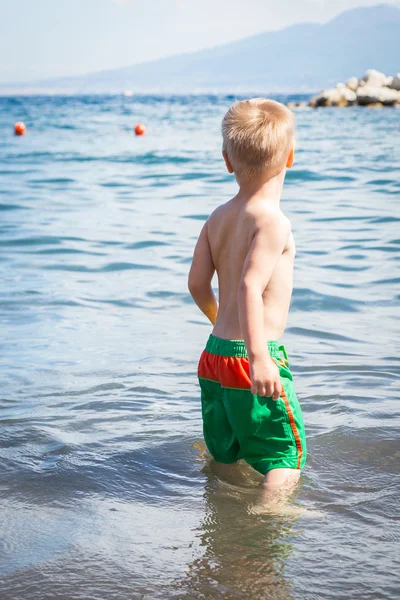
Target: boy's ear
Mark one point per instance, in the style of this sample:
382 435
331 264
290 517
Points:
227 162
290 159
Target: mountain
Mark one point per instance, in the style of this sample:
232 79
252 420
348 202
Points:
302 57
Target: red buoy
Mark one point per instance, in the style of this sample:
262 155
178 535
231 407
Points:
19 128
140 129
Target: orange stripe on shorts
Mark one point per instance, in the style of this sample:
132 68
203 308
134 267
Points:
229 371
293 426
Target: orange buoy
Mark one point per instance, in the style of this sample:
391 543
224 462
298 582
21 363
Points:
19 128
140 129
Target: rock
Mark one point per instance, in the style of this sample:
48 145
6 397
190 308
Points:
395 83
368 94
346 96
374 89
374 78
388 81
338 96
352 83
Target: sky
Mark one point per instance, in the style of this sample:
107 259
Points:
47 38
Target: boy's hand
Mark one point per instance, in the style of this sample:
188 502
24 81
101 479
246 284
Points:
265 380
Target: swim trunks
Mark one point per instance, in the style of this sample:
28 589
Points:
266 433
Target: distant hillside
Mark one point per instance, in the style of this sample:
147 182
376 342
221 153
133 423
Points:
303 57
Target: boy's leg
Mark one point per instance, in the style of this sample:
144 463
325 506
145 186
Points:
275 494
237 474
280 478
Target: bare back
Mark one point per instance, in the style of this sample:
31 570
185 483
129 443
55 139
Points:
231 230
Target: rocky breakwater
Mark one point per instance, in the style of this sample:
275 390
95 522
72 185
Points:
375 89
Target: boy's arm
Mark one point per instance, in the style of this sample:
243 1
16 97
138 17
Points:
268 244
200 276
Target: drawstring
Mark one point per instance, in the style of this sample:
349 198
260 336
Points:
284 362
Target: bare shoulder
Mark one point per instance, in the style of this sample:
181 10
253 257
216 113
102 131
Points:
216 220
290 247
218 212
273 224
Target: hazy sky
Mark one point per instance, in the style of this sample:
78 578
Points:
42 38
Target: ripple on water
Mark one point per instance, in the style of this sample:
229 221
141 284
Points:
108 268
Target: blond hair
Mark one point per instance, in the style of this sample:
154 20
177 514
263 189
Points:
258 135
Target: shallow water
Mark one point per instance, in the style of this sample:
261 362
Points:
107 491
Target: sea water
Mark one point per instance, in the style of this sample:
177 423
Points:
107 490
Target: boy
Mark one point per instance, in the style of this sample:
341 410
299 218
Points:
249 405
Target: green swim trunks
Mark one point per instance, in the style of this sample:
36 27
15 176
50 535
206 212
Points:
268 434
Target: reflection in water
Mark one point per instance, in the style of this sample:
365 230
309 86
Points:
244 540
